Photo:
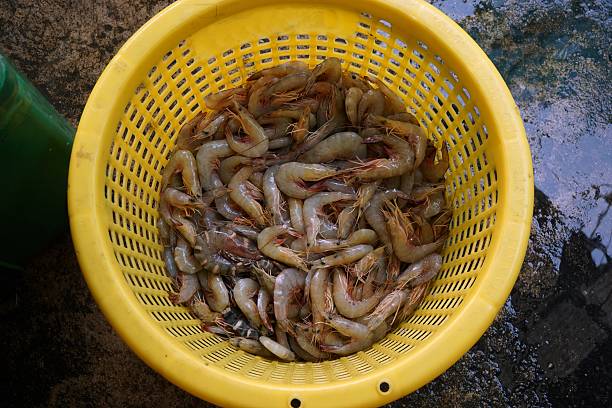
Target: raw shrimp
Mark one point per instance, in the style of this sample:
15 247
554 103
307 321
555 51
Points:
406 182
392 182
182 161
394 104
353 80
362 236
371 103
343 145
223 99
207 162
345 257
188 285
215 291
180 200
366 193
280 143
287 292
291 178
421 272
251 346
186 139
265 279
404 117
288 87
317 289
337 185
230 166
305 339
300 130
400 160
346 221
277 349
273 197
434 205
170 263
349 328
183 256
277 131
415 135
257 179
268 245
300 352
345 303
313 206
281 70
263 301
281 336
390 305
223 239
255 142
243 292
351 103
366 265
257 105
374 215
295 214
204 313
242 193
415 297
329 70
404 240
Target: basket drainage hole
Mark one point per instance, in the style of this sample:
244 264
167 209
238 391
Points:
384 387
296 403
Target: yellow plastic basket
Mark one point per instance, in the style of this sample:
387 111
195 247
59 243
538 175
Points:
157 81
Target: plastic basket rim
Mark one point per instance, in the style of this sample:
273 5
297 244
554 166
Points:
164 355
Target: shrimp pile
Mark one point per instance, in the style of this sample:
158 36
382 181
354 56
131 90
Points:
303 213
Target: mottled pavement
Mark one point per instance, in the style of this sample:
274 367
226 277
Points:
550 345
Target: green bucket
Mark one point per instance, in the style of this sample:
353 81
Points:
35 144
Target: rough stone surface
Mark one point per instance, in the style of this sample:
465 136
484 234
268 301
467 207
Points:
550 344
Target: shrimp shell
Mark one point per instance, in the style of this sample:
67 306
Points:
343 145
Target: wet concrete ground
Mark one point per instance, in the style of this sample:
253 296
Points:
551 343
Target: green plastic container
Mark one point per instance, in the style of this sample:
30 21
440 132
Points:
35 144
